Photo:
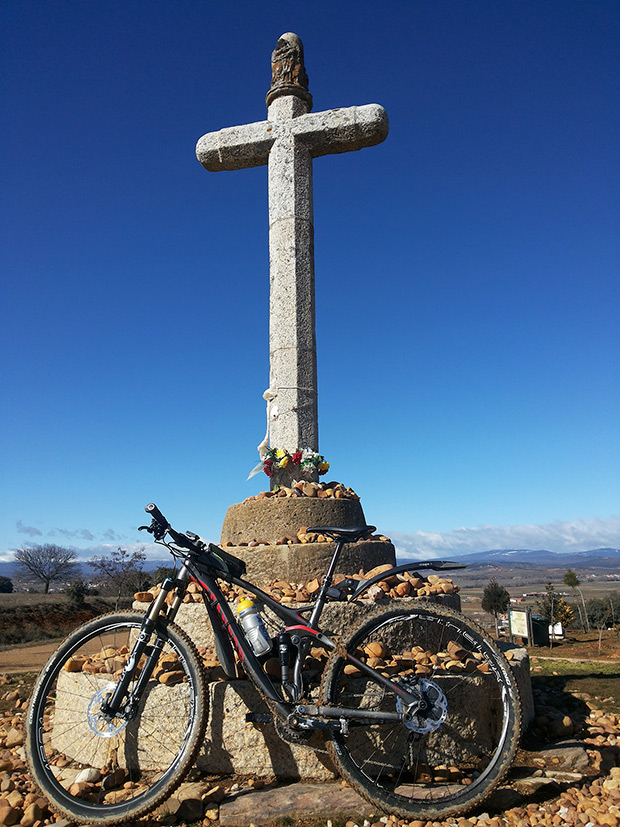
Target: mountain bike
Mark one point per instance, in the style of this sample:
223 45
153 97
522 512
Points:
418 707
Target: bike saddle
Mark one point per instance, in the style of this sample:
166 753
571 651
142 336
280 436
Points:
348 534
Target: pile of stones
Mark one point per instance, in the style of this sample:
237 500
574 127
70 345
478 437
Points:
303 536
583 795
406 584
603 729
321 490
111 661
417 661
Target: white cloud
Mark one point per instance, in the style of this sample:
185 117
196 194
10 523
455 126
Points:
77 534
569 536
152 551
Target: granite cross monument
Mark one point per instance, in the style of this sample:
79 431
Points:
287 142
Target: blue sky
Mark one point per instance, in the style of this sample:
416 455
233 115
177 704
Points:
466 269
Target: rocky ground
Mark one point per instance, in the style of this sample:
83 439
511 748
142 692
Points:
568 772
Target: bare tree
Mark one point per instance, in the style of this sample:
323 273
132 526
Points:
47 563
121 572
554 609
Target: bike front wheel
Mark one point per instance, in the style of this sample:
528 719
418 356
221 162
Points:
448 753
101 770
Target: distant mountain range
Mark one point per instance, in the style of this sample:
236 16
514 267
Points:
595 558
86 571
516 558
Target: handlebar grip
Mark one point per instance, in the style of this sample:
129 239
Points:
156 514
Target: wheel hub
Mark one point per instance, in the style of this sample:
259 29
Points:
431 710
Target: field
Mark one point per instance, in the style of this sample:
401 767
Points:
32 617
531 580
597 680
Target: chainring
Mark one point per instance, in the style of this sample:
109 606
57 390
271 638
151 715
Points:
291 736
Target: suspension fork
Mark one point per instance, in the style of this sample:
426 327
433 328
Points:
116 702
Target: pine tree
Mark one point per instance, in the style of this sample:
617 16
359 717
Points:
554 609
571 579
495 600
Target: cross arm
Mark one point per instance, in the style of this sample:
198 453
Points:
342 130
236 147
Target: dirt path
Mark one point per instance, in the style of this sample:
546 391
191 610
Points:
27 658
575 660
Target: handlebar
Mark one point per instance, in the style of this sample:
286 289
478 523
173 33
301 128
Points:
164 526
156 514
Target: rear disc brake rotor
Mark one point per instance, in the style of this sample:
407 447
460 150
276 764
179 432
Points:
432 710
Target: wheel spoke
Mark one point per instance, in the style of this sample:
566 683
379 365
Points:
98 770
460 737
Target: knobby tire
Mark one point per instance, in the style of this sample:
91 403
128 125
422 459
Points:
127 768
454 752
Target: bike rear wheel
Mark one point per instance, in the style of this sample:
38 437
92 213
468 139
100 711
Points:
462 739
101 771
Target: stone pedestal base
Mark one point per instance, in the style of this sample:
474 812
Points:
236 747
299 562
272 525
233 746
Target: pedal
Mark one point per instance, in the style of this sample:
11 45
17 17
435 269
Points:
258 718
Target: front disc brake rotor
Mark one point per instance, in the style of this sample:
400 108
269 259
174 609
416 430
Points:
97 721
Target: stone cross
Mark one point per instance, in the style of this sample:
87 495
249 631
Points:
287 142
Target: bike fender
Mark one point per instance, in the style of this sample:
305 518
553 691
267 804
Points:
437 565
223 648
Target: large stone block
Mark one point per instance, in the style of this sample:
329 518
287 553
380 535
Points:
236 747
268 520
299 562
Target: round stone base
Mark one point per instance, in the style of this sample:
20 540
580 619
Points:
299 562
271 519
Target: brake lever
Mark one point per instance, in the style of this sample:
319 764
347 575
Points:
155 528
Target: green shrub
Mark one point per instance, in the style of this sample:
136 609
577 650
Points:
76 593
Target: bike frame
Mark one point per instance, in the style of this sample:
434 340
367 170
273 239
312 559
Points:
298 632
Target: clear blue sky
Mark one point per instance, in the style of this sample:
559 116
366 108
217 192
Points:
466 269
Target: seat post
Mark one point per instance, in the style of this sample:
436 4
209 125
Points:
327 581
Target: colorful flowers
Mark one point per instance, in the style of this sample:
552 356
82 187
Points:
275 459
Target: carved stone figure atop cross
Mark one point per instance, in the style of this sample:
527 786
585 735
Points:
288 141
